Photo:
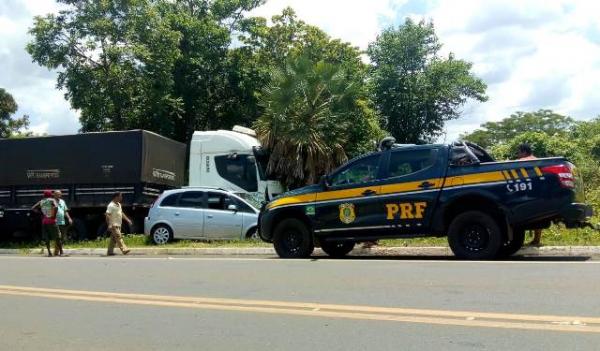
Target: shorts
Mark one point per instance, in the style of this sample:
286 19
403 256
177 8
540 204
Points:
50 232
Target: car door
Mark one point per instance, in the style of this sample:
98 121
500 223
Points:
220 222
348 207
411 186
190 215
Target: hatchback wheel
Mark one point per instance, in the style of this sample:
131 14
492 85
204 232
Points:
161 234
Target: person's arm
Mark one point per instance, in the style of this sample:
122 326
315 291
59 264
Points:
54 209
127 218
36 206
69 218
107 215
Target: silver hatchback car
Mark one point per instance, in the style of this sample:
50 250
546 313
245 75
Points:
200 213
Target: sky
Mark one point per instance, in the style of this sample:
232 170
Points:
532 54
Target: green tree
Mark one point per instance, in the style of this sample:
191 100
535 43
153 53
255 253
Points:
311 109
414 89
504 131
10 126
154 64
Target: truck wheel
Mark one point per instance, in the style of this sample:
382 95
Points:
337 249
511 247
161 234
292 239
474 235
77 230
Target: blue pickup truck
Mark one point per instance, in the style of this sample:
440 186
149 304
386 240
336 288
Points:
483 206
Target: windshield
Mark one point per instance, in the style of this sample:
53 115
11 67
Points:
262 162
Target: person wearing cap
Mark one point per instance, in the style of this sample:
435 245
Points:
62 213
48 207
114 220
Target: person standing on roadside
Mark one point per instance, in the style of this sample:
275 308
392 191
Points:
62 212
524 153
114 220
48 207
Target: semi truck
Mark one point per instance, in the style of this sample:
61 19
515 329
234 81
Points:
233 160
88 168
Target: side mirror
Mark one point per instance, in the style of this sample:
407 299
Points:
232 207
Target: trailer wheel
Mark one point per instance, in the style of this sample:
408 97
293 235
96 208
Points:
161 234
77 230
474 235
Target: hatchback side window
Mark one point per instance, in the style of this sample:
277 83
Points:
405 162
218 201
170 201
361 171
192 199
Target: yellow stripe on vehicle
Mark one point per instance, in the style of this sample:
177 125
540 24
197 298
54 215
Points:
476 178
410 186
514 174
538 172
524 173
507 175
291 200
396 188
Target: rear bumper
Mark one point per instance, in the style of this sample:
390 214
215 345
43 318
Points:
576 215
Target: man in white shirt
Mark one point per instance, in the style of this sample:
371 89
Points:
114 220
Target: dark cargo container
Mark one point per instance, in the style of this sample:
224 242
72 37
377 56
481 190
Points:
88 168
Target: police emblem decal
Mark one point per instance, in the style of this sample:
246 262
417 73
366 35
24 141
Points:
347 214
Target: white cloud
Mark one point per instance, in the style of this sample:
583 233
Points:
32 86
356 21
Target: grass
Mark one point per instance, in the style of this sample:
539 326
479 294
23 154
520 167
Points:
554 236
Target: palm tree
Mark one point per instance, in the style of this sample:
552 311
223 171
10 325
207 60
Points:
309 109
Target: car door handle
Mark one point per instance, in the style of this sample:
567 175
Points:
209 216
426 185
176 214
369 192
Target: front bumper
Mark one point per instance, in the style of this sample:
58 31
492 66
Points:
264 225
576 215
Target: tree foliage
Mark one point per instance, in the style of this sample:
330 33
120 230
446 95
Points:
415 90
542 121
10 126
311 110
157 64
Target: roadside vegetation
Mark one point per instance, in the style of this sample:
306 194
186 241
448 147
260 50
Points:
554 236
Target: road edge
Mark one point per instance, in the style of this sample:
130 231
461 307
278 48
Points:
567 251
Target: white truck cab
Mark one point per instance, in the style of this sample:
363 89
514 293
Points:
232 160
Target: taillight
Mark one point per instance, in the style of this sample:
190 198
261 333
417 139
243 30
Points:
564 173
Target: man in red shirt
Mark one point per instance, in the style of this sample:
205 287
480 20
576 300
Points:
48 207
524 153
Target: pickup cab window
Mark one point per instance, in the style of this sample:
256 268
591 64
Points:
361 171
406 162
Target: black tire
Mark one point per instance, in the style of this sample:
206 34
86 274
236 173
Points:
252 234
511 247
475 235
161 234
337 249
77 230
292 239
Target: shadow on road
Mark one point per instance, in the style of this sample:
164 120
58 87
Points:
451 258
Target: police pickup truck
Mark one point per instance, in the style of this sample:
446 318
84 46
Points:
484 207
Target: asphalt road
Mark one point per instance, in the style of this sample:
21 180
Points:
267 304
